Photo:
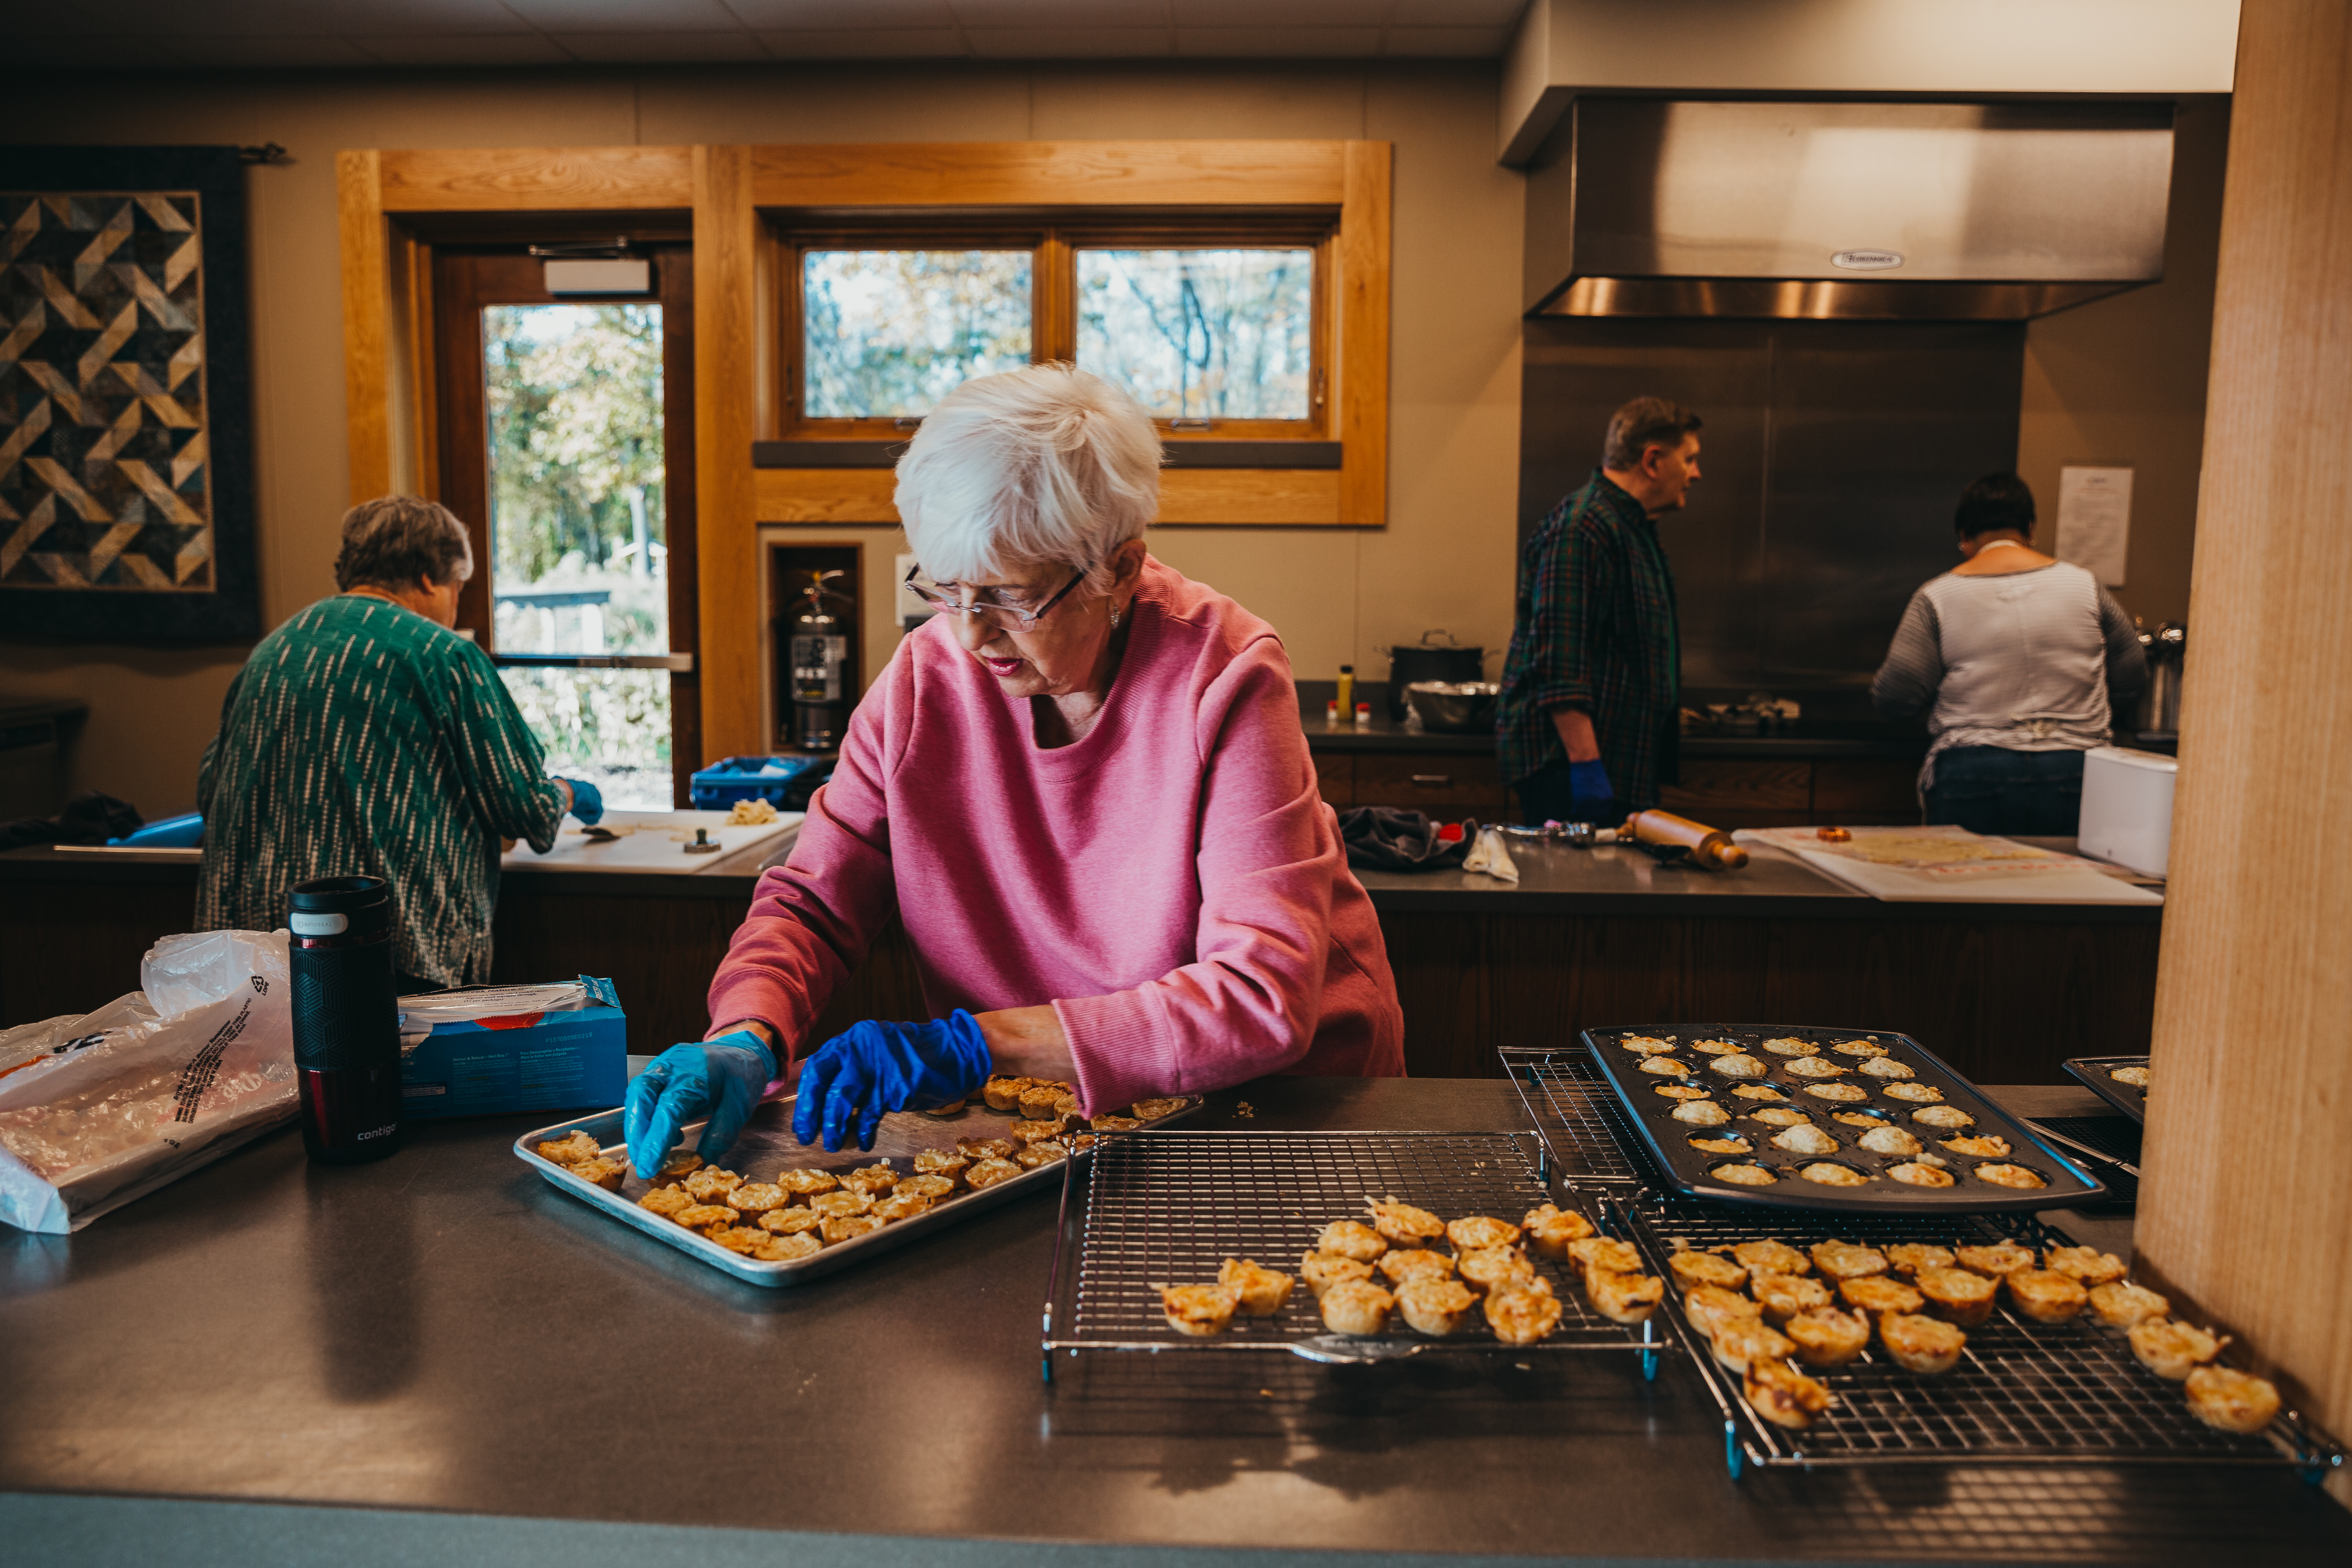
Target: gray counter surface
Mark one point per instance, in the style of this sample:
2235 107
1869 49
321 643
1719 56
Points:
446 1334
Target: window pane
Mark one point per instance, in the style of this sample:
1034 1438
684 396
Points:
577 528
1201 334
610 727
890 333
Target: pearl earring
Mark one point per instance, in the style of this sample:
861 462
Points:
1114 617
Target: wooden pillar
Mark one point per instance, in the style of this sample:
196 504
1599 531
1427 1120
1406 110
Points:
367 348
727 327
2246 1210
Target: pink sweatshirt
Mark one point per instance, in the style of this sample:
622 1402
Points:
1172 882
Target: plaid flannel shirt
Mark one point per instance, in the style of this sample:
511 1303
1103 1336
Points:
1595 630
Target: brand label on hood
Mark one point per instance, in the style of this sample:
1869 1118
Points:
1867 260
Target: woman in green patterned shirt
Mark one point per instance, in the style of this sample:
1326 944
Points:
366 738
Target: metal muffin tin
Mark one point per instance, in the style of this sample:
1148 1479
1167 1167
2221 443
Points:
2092 1072
767 1145
1691 1171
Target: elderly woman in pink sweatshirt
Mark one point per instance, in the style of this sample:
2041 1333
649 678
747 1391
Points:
1084 791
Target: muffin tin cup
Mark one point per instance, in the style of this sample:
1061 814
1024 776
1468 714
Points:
1693 1171
2091 1073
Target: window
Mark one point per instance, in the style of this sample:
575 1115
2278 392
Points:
890 333
1201 335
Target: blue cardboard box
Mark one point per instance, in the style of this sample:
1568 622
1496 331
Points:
482 1049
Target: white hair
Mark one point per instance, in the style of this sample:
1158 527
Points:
1050 464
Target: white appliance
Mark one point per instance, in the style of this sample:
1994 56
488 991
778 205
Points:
2127 807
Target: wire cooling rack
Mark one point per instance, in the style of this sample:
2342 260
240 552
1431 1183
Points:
1577 1112
2043 1393
1168 1207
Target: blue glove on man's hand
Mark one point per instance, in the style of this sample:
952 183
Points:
722 1078
855 1076
1590 795
587 801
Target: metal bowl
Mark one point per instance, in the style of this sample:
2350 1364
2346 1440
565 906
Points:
1453 707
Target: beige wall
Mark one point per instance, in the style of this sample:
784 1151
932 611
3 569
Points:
2122 382
1335 595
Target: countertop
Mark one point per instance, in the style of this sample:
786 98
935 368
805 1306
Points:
446 1334
1827 737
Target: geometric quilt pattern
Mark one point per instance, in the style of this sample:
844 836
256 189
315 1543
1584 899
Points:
105 480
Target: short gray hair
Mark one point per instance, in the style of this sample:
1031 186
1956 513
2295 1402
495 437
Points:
1050 464
392 542
1645 423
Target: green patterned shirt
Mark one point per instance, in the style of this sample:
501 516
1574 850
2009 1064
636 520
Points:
362 739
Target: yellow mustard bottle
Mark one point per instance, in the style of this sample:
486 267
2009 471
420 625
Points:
1347 691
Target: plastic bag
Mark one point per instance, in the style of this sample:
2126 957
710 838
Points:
99 1110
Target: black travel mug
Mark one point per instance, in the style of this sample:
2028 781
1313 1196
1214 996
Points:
346 1019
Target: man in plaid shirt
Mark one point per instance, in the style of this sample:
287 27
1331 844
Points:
1589 721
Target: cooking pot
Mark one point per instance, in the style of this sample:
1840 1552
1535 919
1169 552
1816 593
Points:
1447 661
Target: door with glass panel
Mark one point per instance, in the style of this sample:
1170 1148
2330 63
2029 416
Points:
566 446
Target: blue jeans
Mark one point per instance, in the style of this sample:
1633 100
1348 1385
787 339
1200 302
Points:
1992 789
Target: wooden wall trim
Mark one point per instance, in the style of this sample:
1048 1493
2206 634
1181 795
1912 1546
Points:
367 324
538 179
1273 497
1359 380
1051 174
726 398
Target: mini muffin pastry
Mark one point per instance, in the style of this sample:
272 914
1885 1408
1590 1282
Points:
840 1227
1917 1093
1491 1268
1321 1270
1646 1045
924 1186
1827 1173
742 1238
1827 1337
1739 1065
1113 1124
900 1205
1666 1067
1843 1261
1805 1139
1886 1068
2086 1266
605 1173
1199 1310
702 1217
576 1149
1154 1110
1356 1307
1522 1313
1002 1093
1434 1307
2231 1401
1352 1239
1716 1048
1924 1345
1708 1308
789 1222
947 1163
1859 1048
1864 1119
1956 1295
710 1185
2135 1077
1701 1113
1894 1140
804 1185
1261 1290
1404 1263
1741 1174
1763 1092
952 1107
1995 1262
872 1180
1550 1229
1043 1151
1722 1145
1032 1131
986 1173
1908 1258
667 1201
2172 1351
1783 1296
1771 1255
1038 1100
977 1149
1678 1091
1815 1068
1477 1232
1986 1148
2046 1297
1749 1340
2122 1304
678 1164
790 1249
1692 1268
828 1204
1624 1298
757 1197
1948 1116
1783 1395
1878 1293
1603 1255
1919 1174
1402 1224
2006 1176
1780 1116
1789 1046
1838 1093
1077 1143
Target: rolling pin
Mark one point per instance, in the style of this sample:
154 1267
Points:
1709 847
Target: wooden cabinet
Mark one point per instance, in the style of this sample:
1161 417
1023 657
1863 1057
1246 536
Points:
1335 776
1866 792
1722 792
1732 791
1445 785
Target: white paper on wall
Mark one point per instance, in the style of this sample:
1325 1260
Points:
2094 521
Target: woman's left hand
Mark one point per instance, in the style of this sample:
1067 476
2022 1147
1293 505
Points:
873 1067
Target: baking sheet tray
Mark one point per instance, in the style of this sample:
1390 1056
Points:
1690 1169
768 1146
2092 1072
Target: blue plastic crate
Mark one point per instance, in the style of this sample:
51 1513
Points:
731 779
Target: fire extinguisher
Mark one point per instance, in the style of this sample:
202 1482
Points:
820 667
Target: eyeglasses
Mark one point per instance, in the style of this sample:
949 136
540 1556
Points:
1005 617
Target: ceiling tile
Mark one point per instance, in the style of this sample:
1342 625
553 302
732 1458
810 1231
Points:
662 48
467 49
1068 43
1283 13
1459 13
672 16
1061 13
879 17
308 18
864 42
268 53
1447 43
1280 43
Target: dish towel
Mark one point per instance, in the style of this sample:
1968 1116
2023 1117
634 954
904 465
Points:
1489 856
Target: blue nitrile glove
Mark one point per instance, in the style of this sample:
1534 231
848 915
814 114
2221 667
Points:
722 1078
1590 796
855 1076
587 801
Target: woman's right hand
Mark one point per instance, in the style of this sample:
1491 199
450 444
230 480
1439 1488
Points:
722 1079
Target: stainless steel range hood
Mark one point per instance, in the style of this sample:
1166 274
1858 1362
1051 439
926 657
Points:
1846 211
